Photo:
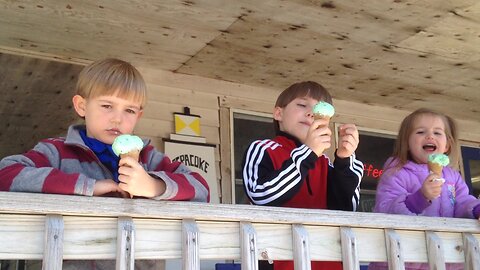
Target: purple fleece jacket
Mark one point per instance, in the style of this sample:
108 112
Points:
398 192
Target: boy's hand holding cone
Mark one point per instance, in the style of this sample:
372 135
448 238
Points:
128 146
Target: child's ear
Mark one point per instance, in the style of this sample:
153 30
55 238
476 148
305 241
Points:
140 113
79 103
277 113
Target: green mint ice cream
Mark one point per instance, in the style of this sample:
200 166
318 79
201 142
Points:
441 159
323 108
125 143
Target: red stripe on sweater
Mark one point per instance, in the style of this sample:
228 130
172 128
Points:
60 183
203 182
8 174
38 158
185 190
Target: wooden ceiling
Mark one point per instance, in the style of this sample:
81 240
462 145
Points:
404 54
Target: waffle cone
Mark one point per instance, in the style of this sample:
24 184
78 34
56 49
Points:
435 168
321 116
135 154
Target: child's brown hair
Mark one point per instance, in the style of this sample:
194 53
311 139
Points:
401 151
112 77
301 89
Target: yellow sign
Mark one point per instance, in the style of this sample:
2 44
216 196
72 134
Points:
187 124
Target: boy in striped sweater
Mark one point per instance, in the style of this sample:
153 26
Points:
110 97
291 170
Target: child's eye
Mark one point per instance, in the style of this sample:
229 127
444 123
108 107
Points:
419 132
106 106
301 105
131 111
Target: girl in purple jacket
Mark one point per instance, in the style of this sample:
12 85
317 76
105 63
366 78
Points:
408 187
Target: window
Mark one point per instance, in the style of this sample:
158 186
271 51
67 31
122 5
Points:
373 150
471 168
247 127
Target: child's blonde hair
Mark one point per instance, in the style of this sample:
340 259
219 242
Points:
112 77
401 152
301 89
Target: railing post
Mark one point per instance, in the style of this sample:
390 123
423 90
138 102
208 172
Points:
472 252
301 248
248 245
53 252
125 244
394 250
190 245
436 257
349 249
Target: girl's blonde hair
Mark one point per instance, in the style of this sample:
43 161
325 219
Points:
301 89
401 152
112 77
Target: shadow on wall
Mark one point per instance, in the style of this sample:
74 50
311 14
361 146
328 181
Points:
35 101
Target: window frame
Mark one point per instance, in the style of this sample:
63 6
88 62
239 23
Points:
233 111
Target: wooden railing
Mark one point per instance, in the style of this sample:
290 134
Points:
54 228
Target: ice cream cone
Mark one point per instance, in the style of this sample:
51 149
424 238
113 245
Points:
135 154
321 116
323 110
127 145
435 168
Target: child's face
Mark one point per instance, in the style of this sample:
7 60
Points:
107 117
296 118
427 137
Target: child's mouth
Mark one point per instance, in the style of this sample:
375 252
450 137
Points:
430 147
114 131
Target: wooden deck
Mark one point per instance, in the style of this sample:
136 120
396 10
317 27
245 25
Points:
57 227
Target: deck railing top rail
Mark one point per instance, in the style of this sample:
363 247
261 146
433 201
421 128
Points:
42 204
54 228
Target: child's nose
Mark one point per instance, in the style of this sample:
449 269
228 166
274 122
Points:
309 114
117 118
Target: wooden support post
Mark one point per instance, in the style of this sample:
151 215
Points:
349 249
301 248
248 245
53 252
436 256
394 250
125 244
472 252
190 245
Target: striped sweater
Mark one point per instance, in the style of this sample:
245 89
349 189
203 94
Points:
68 166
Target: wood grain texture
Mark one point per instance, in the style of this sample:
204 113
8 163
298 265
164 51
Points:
125 259
248 246
436 257
349 249
190 245
301 248
399 54
53 252
394 250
